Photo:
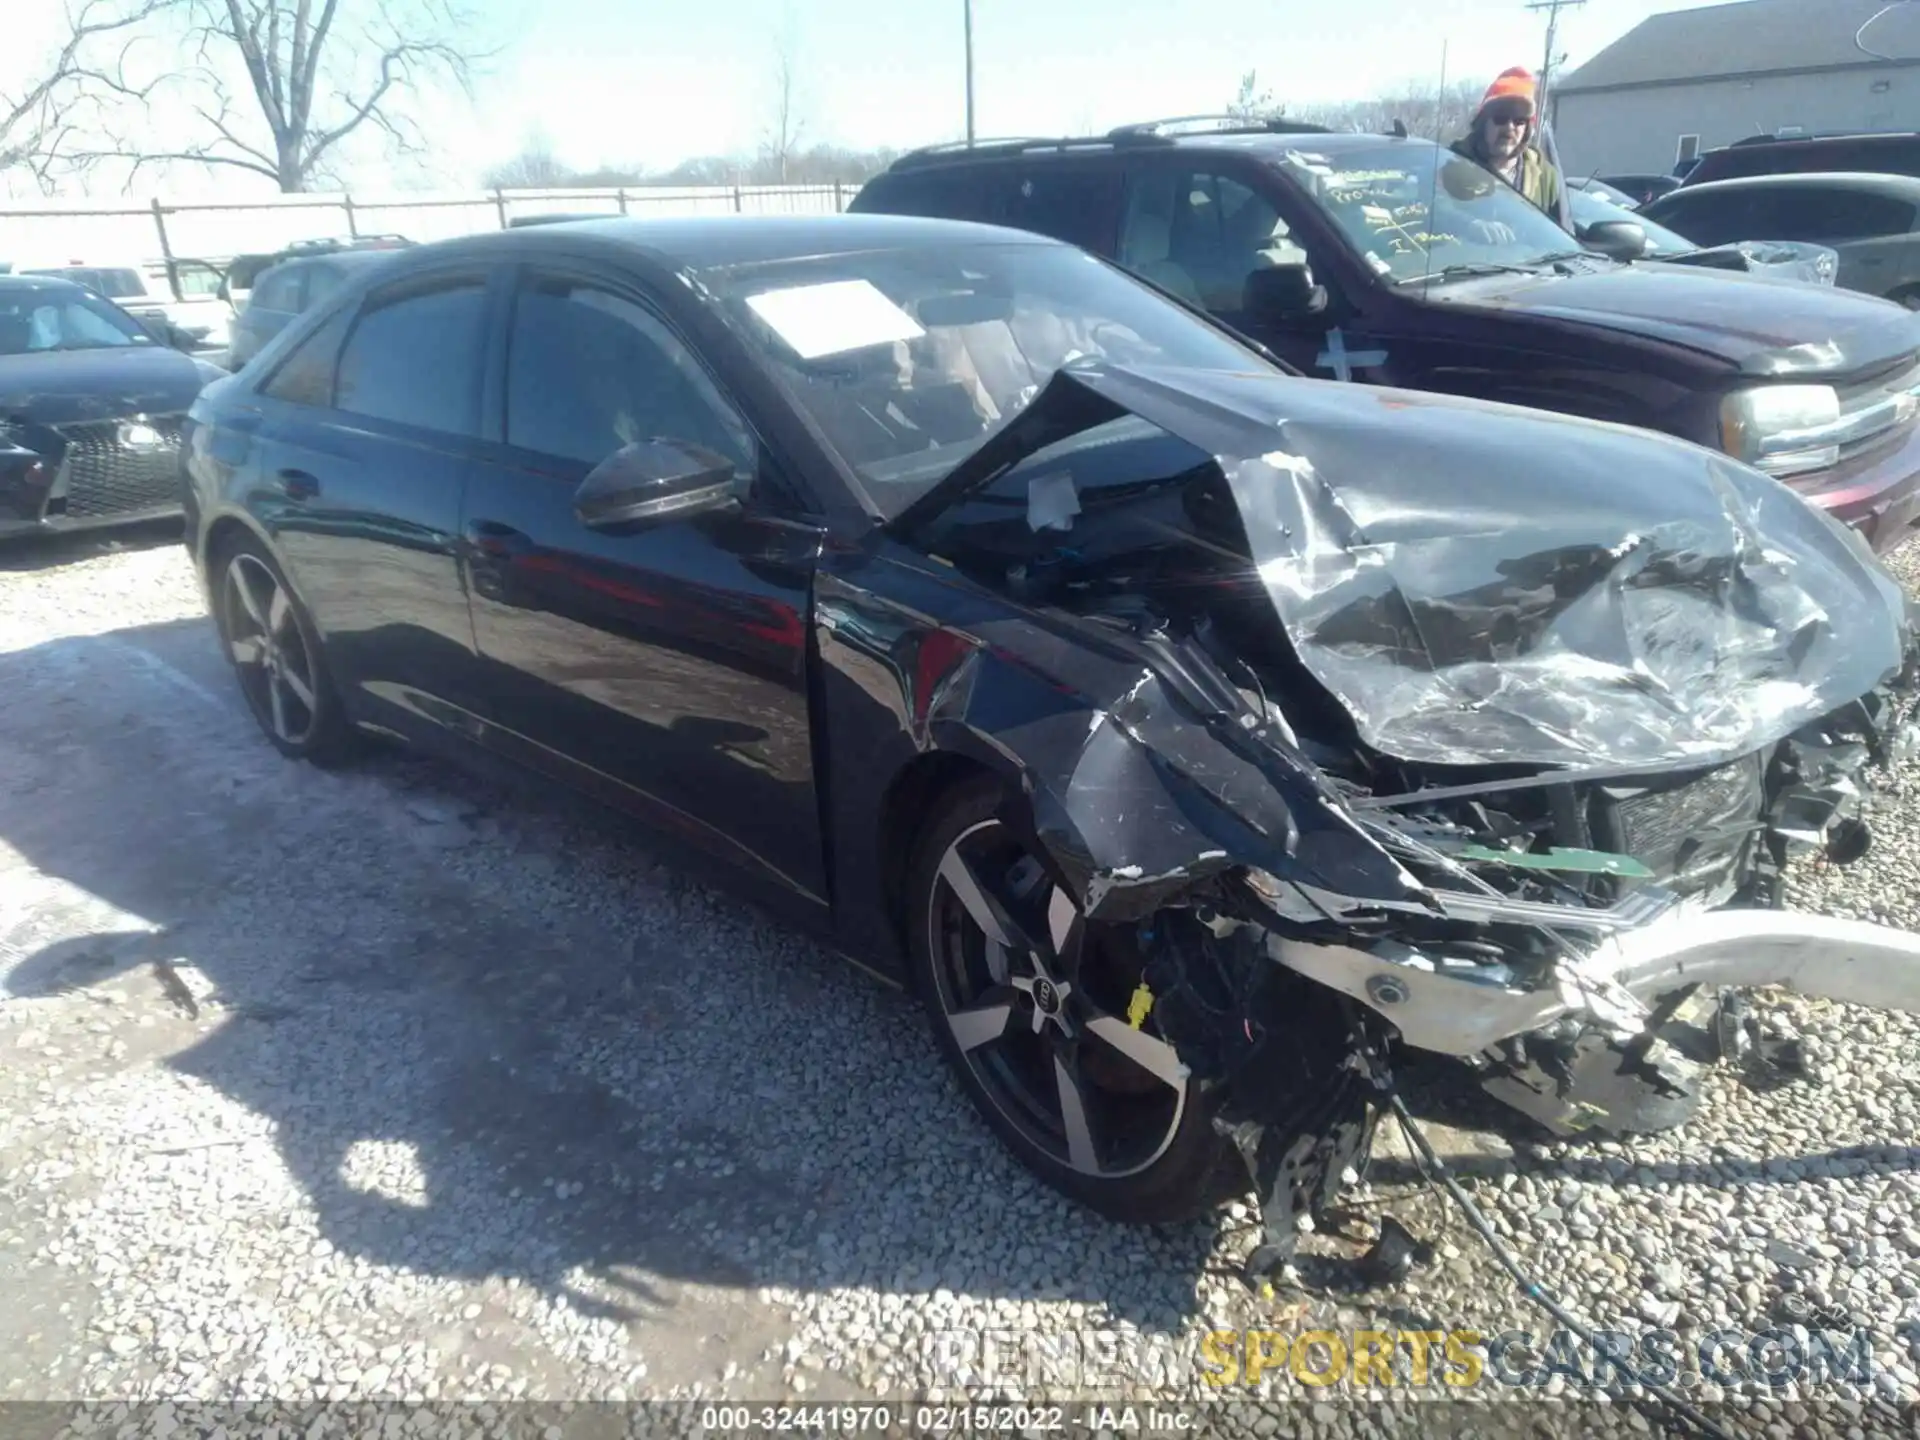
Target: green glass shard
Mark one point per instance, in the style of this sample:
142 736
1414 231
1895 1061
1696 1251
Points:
1584 862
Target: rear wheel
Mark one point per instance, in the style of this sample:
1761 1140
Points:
277 657
1029 1003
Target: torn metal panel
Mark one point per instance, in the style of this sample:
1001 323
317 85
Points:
1135 796
1476 594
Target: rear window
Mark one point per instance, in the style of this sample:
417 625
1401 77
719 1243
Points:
1890 155
956 192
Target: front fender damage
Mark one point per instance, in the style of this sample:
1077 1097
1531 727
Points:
1297 927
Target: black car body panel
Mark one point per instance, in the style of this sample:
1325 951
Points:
1754 332
1247 655
91 436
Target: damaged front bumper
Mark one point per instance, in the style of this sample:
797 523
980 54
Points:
1466 1009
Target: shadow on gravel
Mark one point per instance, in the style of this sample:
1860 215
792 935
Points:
593 1062
22 553
581 1060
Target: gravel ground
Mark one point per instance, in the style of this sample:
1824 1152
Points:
401 1082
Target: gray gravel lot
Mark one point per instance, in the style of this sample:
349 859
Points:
402 1082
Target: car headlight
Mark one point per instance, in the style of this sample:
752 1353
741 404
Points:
1782 429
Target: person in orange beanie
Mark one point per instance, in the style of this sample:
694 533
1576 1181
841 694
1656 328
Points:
1501 138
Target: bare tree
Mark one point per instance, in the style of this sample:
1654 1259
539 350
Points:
784 122
1437 114
309 74
57 103
534 168
1252 102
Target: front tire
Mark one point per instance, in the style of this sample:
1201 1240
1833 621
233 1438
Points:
1028 1003
277 657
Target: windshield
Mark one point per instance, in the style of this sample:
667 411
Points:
33 321
1591 209
1379 197
114 284
909 360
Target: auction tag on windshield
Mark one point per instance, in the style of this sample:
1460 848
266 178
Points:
830 319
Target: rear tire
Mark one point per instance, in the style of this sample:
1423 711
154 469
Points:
277 657
1029 1009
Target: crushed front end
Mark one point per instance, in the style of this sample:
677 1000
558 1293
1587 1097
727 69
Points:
1391 736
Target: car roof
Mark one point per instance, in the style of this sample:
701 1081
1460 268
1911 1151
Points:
1254 139
19 283
1906 187
347 258
709 242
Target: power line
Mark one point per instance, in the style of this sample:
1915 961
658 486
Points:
1553 9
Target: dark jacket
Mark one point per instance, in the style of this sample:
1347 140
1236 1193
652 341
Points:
1539 181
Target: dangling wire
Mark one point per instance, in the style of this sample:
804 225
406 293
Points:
1859 42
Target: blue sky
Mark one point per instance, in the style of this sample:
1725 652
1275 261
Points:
627 81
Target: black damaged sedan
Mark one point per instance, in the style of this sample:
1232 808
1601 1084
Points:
91 406
1197 741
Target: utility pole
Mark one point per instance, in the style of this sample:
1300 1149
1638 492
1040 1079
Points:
1553 9
968 4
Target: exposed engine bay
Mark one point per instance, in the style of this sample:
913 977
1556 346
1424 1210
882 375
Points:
1386 752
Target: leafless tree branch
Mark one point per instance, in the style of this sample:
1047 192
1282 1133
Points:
37 122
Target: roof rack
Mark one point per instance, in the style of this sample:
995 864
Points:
1217 125
1145 132
960 150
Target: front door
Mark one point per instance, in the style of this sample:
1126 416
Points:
664 666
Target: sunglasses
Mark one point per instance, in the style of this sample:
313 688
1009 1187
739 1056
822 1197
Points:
1514 118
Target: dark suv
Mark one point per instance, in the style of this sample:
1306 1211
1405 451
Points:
1394 261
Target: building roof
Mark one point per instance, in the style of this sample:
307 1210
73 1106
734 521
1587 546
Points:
1751 37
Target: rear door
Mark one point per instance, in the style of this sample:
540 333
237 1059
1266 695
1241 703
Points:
369 430
662 666
1871 231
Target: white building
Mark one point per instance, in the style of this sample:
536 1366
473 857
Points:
1691 80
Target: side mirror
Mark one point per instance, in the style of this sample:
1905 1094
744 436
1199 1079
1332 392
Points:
1620 239
1283 292
654 480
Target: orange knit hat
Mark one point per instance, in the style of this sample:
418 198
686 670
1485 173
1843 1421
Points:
1513 84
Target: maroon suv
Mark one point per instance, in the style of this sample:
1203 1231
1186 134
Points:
1394 261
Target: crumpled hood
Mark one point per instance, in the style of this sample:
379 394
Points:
1483 584
1783 329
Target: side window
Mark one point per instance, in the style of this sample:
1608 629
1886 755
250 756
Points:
1828 215
305 377
1201 235
279 290
414 357
1073 203
956 192
322 281
1712 219
589 371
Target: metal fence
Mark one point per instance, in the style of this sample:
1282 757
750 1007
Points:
56 232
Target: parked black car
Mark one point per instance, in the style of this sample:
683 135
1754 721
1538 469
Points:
288 289
1870 222
1854 152
90 410
1183 731
1394 261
